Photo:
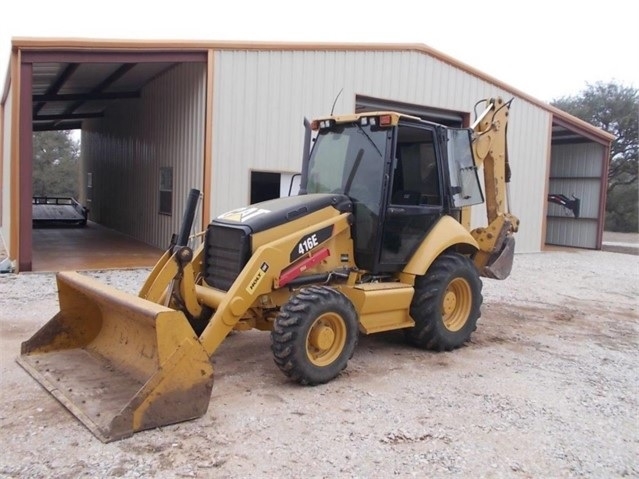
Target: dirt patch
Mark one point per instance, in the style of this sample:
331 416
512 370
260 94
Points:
547 387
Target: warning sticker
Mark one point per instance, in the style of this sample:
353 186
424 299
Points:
257 279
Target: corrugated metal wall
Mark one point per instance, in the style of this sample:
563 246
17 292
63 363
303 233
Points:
125 150
6 170
575 170
260 99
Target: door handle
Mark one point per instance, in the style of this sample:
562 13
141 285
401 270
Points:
395 211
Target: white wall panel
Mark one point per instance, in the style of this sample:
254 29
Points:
577 160
261 98
125 150
6 170
580 234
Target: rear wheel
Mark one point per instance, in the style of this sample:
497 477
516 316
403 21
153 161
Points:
446 305
314 335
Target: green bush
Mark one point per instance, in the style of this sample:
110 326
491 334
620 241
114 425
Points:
622 209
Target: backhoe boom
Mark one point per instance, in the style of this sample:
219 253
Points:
496 241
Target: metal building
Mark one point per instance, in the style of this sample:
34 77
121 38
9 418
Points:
159 118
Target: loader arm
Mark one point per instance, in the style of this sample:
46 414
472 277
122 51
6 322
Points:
174 275
496 241
171 279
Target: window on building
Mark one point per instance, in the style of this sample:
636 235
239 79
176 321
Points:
266 185
166 191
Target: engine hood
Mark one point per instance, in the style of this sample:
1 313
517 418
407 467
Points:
268 214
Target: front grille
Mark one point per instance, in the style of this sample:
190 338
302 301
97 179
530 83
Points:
227 250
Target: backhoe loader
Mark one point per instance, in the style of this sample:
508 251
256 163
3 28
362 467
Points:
378 239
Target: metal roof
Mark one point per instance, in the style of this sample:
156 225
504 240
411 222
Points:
95 84
66 93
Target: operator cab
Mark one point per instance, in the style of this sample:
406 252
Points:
401 173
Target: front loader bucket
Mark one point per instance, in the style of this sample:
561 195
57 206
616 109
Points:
118 362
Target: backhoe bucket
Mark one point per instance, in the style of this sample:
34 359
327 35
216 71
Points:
501 263
118 362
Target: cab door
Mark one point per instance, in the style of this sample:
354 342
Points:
415 197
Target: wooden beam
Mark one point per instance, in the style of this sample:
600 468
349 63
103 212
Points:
88 96
25 168
54 88
108 81
77 125
207 170
69 116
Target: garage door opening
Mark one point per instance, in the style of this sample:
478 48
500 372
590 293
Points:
436 115
55 180
576 189
140 114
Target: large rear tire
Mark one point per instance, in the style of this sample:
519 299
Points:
446 305
314 335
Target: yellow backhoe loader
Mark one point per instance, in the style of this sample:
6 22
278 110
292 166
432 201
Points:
378 239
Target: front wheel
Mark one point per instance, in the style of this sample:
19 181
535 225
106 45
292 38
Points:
446 304
314 335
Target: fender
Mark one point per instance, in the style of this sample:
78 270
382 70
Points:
445 234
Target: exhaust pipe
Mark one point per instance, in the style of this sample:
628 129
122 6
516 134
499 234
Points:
187 219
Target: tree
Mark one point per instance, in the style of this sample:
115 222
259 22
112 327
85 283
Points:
621 209
614 108
55 164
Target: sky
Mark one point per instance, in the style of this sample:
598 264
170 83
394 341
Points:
547 49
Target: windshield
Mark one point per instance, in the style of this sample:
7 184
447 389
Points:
349 159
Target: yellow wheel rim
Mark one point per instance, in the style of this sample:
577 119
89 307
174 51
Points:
326 339
457 304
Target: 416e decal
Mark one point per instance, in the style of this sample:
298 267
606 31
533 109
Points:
308 242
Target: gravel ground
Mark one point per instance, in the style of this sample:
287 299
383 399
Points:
548 387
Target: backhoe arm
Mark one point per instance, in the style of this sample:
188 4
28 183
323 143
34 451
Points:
496 241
